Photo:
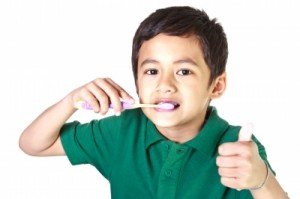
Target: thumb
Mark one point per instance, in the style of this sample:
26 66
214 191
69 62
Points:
246 132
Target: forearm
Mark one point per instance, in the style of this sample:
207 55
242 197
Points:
271 189
40 138
44 130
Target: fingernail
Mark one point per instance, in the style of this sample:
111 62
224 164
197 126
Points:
130 101
118 113
221 149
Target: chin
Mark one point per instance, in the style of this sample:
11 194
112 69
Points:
165 120
164 123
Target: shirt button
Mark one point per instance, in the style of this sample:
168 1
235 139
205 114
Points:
168 172
167 147
181 150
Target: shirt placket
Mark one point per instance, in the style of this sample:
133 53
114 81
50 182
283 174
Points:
171 170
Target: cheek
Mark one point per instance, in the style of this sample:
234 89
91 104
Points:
195 96
143 89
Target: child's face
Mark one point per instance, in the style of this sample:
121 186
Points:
172 69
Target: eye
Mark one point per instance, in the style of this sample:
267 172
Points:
184 72
151 71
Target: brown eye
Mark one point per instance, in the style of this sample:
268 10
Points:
151 72
184 72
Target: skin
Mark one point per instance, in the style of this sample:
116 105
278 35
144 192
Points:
170 69
174 65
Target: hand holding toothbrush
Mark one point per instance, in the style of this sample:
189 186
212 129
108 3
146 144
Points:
102 91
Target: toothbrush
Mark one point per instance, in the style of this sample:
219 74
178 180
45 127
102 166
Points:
127 105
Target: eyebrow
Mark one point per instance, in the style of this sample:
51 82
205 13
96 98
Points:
186 60
180 61
149 61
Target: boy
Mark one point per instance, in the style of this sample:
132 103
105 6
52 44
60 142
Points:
179 57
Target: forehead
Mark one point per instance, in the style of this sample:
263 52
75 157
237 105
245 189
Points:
165 47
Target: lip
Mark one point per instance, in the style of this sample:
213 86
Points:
167 100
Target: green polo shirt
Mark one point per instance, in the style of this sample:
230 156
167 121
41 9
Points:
141 163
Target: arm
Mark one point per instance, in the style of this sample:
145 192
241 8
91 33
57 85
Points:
41 137
271 189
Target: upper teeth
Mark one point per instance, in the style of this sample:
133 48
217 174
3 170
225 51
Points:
174 103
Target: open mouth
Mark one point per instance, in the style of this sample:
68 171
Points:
172 104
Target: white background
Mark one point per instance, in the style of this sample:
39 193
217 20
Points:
48 48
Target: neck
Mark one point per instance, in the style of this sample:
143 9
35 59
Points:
184 132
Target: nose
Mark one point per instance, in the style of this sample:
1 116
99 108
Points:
166 84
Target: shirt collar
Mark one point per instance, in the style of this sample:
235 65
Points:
210 134
152 134
206 140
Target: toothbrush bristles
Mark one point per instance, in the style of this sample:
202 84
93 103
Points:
167 106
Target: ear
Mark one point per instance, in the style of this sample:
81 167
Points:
218 86
136 88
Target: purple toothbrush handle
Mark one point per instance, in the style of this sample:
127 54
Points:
86 106
125 105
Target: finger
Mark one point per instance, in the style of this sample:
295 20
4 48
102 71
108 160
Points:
112 93
228 161
124 95
231 182
87 96
232 148
229 172
245 133
101 97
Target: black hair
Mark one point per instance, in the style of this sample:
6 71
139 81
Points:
185 21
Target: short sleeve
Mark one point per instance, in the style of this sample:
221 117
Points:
262 152
91 143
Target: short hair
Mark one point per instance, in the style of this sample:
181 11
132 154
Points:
185 21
